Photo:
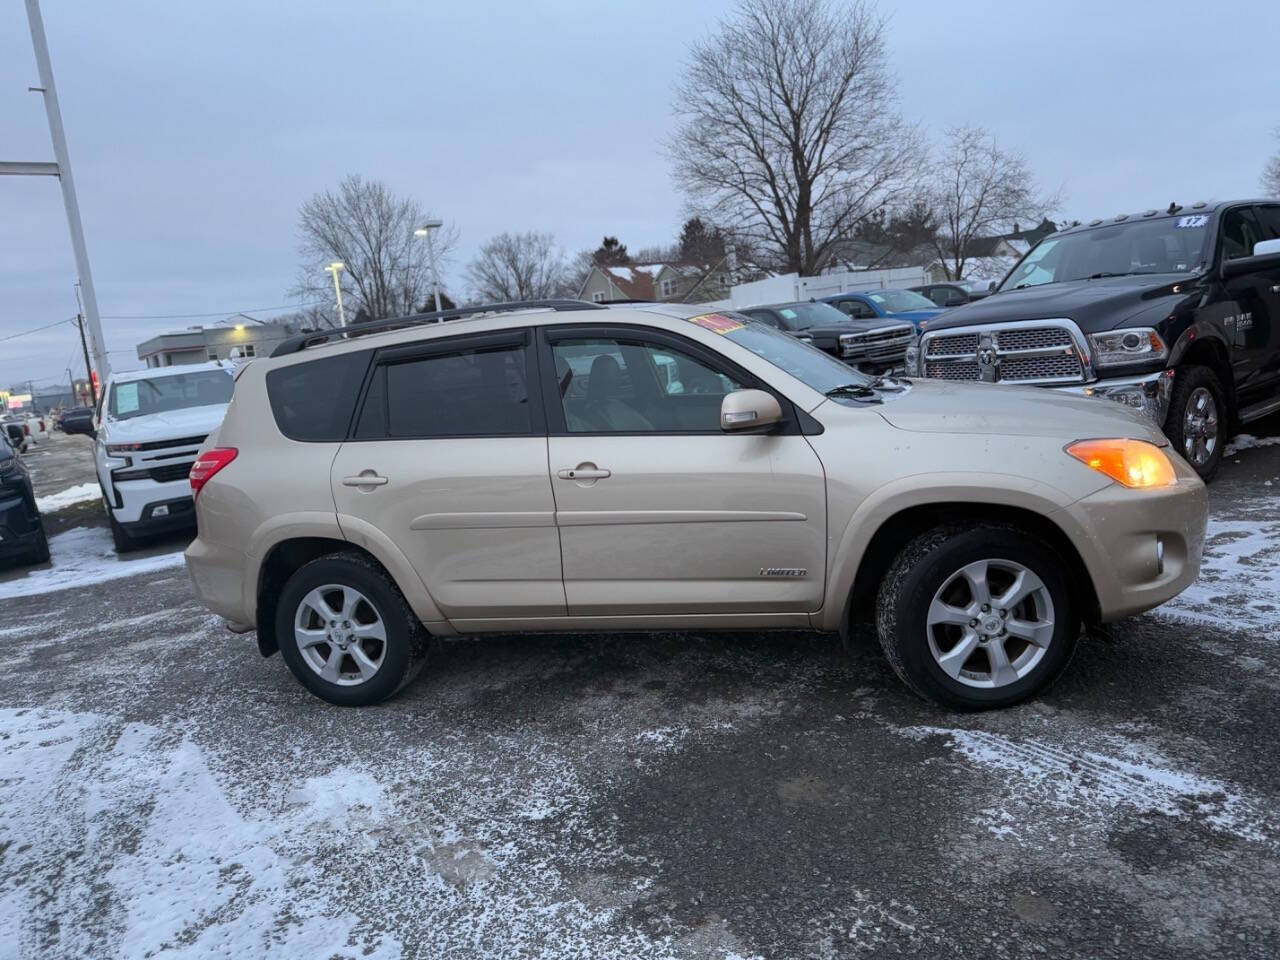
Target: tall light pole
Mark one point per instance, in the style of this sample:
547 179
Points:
425 231
61 168
335 268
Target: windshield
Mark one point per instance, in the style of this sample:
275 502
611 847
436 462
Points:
138 398
806 363
899 301
806 316
1164 245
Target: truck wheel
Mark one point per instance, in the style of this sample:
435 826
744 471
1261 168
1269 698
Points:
976 618
1197 421
40 552
346 631
124 541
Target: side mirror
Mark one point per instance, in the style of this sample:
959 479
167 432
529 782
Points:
1266 256
749 410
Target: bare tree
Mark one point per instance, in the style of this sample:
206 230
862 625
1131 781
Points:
519 266
978 190
370 230
789 135
1271 175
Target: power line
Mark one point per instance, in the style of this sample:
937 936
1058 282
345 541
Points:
15 336
220 313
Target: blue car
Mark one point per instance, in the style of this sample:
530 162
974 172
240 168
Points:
890 304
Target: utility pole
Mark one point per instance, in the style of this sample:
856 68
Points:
71 377
61 168
88 370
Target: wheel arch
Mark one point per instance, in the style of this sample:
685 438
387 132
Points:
908 522
1200 348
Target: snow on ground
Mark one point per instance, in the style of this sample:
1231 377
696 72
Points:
1119 776
1247 441
81 556
81 493
1239 581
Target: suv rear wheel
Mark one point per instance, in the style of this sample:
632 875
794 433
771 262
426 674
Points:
978 618
346 631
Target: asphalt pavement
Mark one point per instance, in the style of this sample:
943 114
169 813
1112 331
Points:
165 791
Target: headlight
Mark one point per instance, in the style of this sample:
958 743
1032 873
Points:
847 343
912 359
1127 345
119 449
1134 463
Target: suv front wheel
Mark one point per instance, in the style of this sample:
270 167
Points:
346 631
977 618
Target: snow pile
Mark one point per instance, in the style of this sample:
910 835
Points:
1247 441
81 556
82 493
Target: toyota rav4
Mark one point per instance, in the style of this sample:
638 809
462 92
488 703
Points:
531 467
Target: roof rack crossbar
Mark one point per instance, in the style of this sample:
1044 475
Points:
303 341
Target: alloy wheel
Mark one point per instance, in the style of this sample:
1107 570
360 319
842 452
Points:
990 623
1200 427
340 634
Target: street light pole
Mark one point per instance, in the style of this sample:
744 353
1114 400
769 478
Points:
425 231
335 268
63 163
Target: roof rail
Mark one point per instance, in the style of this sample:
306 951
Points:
316 338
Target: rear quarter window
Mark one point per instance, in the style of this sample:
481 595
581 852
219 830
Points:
313 401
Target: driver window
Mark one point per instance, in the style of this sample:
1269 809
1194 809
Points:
1239 233
633 386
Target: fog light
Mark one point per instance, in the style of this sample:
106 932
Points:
160 511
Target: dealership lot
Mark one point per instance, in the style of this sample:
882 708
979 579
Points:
163 788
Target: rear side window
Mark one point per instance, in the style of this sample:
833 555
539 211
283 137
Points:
314 401
482 391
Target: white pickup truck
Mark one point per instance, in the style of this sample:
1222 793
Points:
149 425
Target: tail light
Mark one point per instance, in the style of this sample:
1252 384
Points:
209 463
26 430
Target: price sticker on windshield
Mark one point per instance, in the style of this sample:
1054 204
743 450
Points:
126 398
1199 220
717 323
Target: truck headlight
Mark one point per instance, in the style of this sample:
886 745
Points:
1127 345
912 359
847 347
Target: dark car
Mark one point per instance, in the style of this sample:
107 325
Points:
21 529
76 420
886 305
951 294
873 343
1175 312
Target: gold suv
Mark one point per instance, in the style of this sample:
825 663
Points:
569 467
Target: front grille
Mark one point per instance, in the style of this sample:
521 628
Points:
886 345
164 444
170 471
1021 353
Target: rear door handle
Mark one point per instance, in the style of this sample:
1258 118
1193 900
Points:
583 473
364 480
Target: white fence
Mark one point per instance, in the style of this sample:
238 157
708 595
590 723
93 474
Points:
792 286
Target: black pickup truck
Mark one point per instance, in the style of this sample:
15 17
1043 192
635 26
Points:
1176 312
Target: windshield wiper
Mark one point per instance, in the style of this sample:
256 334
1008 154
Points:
858 391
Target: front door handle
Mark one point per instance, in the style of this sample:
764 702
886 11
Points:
368 479
583 472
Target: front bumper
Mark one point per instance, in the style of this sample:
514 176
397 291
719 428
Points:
1141 547
1148 393
136 500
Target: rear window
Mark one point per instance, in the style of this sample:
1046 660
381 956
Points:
314 401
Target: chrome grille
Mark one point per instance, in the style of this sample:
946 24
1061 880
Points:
1037 338
885 345
949 344
1048 352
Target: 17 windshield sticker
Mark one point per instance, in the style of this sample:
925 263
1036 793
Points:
126 398
1193 222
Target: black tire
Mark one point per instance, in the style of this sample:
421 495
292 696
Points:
124 541
40 552
1187 383
405 650
923 567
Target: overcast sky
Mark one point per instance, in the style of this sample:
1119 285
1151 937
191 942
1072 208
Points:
196 129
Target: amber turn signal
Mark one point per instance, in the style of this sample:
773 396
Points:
1134 463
